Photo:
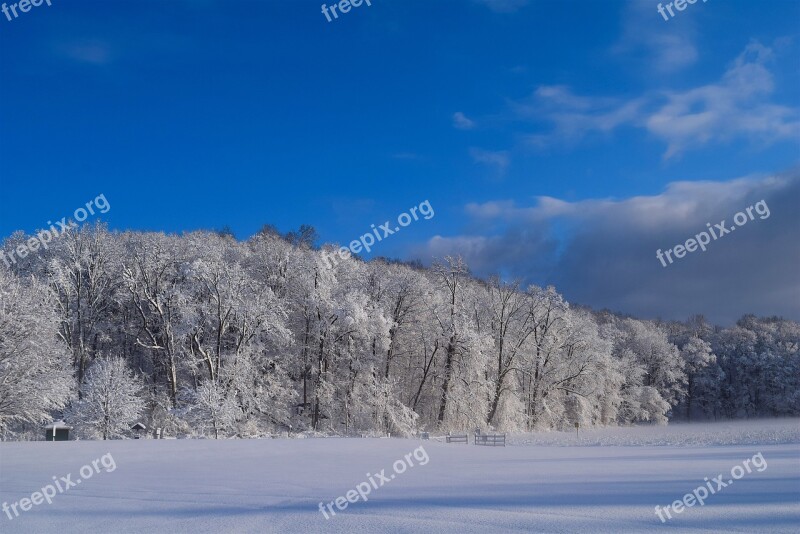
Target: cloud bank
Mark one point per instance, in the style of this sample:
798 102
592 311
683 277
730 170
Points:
602 252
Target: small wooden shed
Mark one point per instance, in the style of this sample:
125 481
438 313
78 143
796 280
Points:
138 429
57 431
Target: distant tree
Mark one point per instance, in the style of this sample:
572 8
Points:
269 230
110 400
213 408
85 279
698 357
660 360
225 231
156 303
305 235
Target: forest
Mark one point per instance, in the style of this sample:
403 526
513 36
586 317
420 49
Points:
204 335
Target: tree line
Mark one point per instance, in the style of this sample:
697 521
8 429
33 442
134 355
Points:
202 334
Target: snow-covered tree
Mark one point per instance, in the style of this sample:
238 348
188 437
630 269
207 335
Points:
213 408
110 399
452 318
565 352
153 277
699 367
512 329
84 275
248 337
35 372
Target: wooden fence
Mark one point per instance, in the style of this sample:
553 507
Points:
493 440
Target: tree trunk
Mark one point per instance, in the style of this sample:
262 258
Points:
498 392
448 365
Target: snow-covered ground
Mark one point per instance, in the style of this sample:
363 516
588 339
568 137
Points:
753 432
276 485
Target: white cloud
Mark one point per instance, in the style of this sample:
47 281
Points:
737 106
575 116
499 160
462 122
671 46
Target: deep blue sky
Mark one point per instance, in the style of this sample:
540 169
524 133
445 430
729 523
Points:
200 114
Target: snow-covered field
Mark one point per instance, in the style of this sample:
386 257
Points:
539 483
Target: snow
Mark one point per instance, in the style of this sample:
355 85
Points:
751 432
610 483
